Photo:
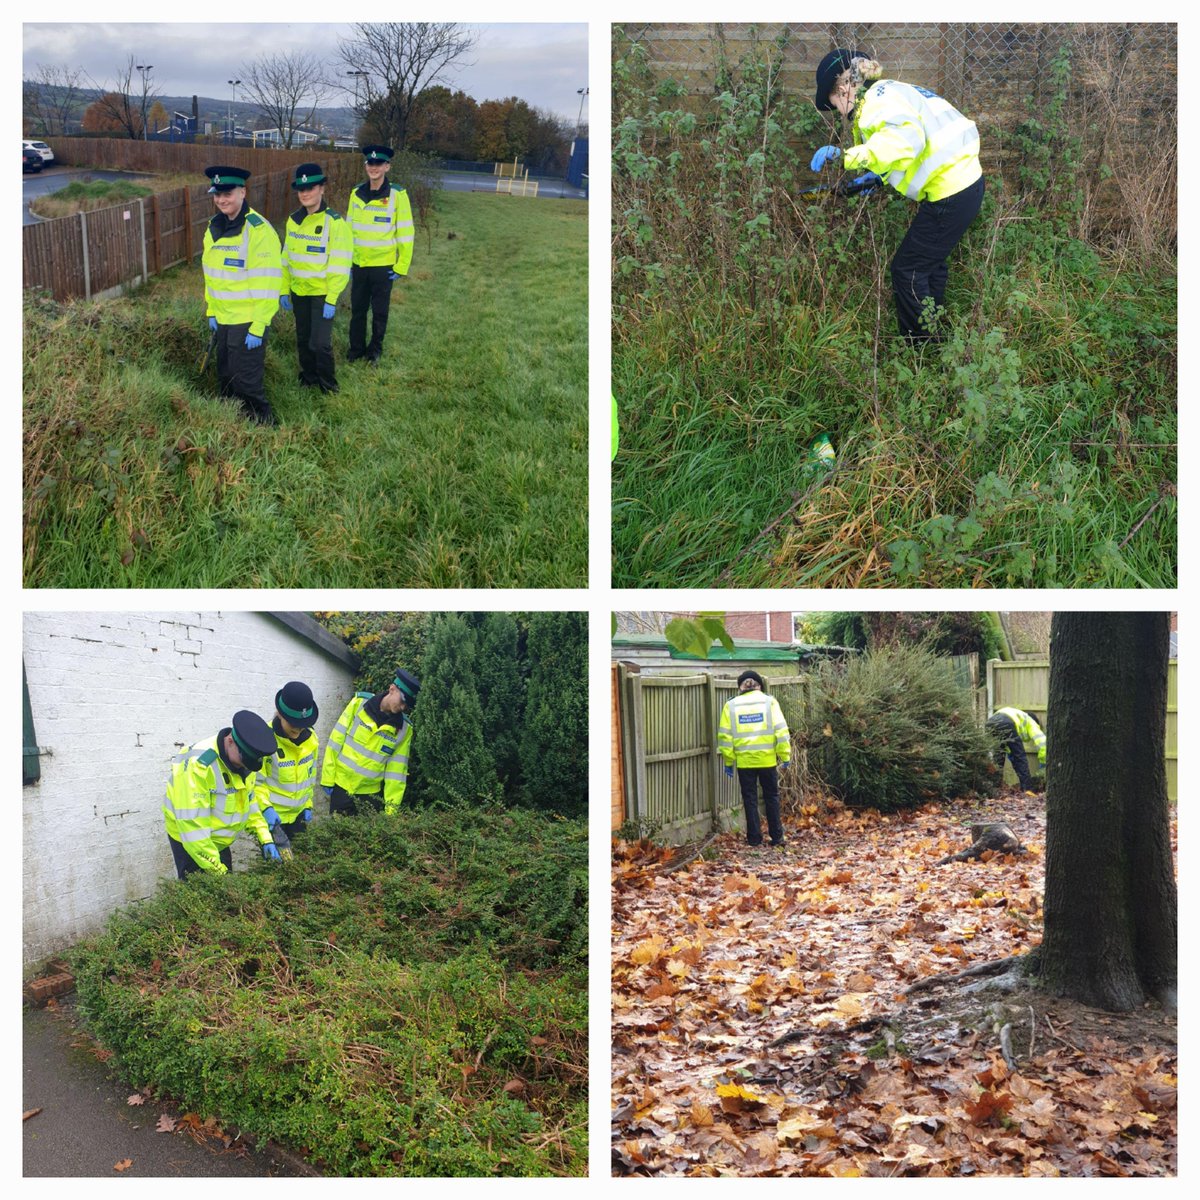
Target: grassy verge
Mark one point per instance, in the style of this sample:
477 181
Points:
459 462
408 996
84 195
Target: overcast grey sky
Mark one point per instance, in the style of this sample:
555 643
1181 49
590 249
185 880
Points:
543 64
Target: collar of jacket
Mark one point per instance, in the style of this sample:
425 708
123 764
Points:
376 713
222 226
366 195
299 215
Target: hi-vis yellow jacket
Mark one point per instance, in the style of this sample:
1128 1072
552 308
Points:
364 758
383 229
1028 730
207 804
918 142
317 248
287 781
243 274
753 732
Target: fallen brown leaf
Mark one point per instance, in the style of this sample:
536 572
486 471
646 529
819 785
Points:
123 1165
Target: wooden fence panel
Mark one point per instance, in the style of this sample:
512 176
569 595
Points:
617 764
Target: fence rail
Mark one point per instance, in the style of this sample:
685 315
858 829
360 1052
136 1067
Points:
107 250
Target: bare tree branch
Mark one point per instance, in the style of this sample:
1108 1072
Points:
50 97
285 86
123 105
400 59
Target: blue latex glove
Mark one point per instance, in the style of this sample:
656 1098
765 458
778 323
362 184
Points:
328 311
269 851
783 766
271 817
824 155
328 791
253 341
285 302
870 179
306 816
392 276
728 772
212 324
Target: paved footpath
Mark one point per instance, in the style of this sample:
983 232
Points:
86 1127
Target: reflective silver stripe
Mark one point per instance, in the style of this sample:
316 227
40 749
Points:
373 755
193 835
405 240
347 254
401 776
362 772
963 138
278 785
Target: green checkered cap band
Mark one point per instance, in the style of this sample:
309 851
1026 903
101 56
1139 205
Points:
296 714
235 180
404 688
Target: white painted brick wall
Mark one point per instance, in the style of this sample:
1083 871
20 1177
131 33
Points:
115 696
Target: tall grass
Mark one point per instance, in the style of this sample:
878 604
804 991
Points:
460 461
1034 446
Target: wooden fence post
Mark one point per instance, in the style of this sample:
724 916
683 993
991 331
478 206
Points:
157 235
145 271
187 223
638 708
710 729
87 272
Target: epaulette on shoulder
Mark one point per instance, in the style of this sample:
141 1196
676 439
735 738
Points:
333 216
364 695
255 219
207 758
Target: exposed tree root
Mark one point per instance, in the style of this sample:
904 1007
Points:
691 858
1018 965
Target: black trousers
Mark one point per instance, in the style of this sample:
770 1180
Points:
749 779
185 864
292 828
370 288
314 342
240 371
1009 742
341 803
921 265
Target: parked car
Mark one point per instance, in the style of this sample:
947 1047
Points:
31 160
41 147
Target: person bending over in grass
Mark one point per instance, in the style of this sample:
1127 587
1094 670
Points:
1012 728
928 151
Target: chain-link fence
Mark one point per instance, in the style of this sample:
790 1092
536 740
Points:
996 73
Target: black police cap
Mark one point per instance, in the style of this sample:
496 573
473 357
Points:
225 179
830 68
750 675
308 175
254 737
409 684
295 702
375 153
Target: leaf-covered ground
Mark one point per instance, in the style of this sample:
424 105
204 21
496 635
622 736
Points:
761 1024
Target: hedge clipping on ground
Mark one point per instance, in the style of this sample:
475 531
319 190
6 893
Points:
408 996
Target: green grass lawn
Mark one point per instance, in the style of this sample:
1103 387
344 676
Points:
460 461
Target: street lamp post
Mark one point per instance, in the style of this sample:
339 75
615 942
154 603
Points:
145 70
357 76
233 83
582 93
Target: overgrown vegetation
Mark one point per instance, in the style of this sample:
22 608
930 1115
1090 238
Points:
84 195
893 729
408 996
1035 445
459 461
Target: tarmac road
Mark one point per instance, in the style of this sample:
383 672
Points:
86 1126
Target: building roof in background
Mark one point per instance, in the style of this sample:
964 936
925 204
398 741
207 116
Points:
745 650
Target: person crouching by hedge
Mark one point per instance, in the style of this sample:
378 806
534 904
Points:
753 735
1012 728
242 276
317 248
923 147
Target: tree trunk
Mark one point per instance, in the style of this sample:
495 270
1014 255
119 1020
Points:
1110 906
